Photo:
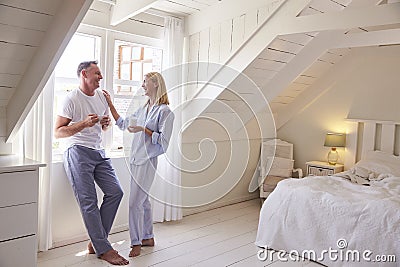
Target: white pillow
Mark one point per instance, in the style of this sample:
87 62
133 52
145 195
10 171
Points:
381 163
279 167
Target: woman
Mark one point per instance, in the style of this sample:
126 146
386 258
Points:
151 138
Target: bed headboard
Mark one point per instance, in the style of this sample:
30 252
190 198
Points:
366 135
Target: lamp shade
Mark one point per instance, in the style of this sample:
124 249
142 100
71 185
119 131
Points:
335 140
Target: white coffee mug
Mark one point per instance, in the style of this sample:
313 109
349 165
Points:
101 117
132 121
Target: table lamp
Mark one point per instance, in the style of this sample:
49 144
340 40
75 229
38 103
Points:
334 140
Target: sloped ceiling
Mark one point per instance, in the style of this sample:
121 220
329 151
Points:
320 36
34 33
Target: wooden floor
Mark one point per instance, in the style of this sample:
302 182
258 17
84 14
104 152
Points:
219 237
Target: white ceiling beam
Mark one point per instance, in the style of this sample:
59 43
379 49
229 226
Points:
348 18
130 27
304 59
316 90
383 37
161 13
61 30
110 2
125 9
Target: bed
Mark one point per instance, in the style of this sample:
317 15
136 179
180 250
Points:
354 214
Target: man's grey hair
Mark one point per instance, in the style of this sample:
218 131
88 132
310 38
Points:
84 65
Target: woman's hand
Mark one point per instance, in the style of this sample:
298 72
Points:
108 97
135 129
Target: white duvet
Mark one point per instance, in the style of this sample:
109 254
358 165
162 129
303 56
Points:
314 213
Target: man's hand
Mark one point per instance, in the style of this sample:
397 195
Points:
91 120
63 129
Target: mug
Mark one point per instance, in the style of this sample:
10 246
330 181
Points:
132 121
101 117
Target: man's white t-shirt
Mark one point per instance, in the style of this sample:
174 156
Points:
76 107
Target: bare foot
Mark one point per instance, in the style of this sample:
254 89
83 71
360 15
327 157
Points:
148 242
90 248
114 258
135 251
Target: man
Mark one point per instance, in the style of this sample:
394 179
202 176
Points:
82 118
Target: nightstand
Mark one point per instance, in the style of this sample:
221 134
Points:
321 168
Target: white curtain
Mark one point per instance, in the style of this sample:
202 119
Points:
37 145
166 190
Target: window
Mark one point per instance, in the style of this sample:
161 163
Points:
81 47
131 63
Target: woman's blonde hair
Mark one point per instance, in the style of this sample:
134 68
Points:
161 94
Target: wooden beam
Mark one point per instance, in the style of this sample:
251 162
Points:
125 9
383 37
133 28
317 89
348 18
305 58
61 30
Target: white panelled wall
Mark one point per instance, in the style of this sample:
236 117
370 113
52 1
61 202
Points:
217 42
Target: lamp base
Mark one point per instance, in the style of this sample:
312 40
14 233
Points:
333 156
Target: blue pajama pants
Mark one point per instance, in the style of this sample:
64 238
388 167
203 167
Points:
85 167
140 214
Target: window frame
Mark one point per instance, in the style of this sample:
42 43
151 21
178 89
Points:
130 94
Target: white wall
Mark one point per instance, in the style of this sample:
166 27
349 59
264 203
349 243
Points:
218 163
370 91
221 176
